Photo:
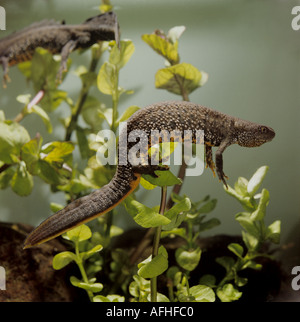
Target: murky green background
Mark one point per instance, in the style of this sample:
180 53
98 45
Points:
252 56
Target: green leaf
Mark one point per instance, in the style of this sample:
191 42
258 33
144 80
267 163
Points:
161 298
82 143
188 259
2 116
146 184
150 268
63 259
44 68
175 33
109 298
250 241
128 112
24 98
244 200
228 293
163 47
237 249
208 207
115 231
175 231
55 207
246 221
202 293
43 115
240 281
180 77
91 252
138 286
164 178
30 154
226 261
260 212
43 73
57 151
241 186
52 99
88 78
6 176
147 217
256 180
120 56
105 7
208 280
12 137
107 78
92 113
273 232
25 68
176 214
92 287
48 173
209 224
22 181
161 152
253 265
79 234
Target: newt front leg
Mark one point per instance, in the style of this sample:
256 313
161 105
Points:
67 49
219 161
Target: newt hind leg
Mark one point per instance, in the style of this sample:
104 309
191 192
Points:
209 159
5 63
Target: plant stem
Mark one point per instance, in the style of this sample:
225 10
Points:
176 189
109 221
115 101
113 127
82 270
37 98
96 54
182 169
153 282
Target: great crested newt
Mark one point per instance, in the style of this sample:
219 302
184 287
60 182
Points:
58 38
220 130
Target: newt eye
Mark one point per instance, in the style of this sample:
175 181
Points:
264 129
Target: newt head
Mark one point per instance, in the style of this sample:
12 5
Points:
252 134
105 22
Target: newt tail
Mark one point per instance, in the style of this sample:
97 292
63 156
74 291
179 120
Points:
86 208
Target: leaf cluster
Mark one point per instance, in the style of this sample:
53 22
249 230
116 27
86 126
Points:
255 234
86 246
177 78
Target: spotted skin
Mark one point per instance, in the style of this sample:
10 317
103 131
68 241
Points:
56 37
220 130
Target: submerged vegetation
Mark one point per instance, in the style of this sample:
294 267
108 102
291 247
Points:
106 273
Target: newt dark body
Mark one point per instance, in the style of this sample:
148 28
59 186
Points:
220 130
58 38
